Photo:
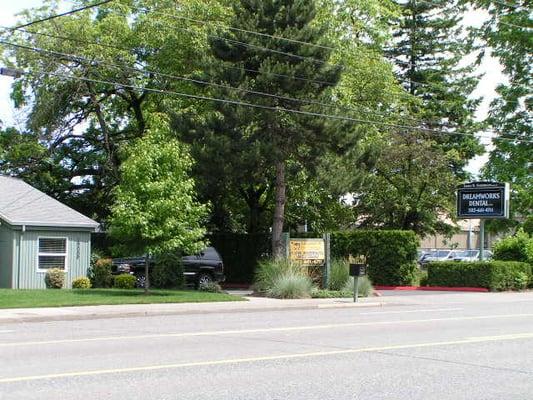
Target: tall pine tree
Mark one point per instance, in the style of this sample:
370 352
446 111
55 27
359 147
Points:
429 49
270 141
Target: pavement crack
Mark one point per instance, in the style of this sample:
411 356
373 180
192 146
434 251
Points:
441 360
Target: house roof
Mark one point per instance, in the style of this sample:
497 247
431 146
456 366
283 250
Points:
22 204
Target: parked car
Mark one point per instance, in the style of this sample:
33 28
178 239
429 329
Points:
436 255
471 255
202 268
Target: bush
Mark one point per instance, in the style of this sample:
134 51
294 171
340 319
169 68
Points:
210 287
167 272
513 248
125 281
291 285
339 274
100 273
492 275
81 283
391 255
54 278
364 286
269 270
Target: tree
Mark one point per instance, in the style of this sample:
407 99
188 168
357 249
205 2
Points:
411 188
508 33
155 209
429 50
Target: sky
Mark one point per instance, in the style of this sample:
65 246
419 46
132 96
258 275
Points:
490 69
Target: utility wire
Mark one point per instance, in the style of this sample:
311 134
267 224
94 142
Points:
78 58
271 108
87 7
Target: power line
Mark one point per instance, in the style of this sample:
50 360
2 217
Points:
271 108
101 3
78 58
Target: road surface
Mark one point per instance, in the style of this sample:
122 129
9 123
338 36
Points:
422 346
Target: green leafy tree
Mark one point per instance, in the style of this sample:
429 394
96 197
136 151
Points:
508 33
155 210
429 48
411 187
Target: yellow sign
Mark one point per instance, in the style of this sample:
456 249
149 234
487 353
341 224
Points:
307 251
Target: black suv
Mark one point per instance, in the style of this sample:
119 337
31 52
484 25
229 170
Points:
202 268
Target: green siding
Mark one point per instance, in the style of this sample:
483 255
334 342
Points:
26 275
6 256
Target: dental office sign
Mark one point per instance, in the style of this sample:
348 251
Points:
483 200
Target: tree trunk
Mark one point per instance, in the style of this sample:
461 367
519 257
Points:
279 211
146 275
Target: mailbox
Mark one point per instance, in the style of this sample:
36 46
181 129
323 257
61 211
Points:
357 270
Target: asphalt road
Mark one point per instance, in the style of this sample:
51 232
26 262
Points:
431 346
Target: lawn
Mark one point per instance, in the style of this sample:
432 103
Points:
10 298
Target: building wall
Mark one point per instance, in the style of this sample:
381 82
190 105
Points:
458 240
6 256
25 274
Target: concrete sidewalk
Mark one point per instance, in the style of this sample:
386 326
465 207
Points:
136 310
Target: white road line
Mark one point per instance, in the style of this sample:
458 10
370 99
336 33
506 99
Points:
411 311
7 331
265 358
258 330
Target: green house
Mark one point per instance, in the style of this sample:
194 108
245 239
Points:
37 233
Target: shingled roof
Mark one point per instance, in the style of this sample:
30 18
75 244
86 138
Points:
22 204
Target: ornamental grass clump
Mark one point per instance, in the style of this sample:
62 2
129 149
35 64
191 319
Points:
364 286
291 285
283 279
339 275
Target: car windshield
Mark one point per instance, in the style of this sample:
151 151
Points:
443 253
467 253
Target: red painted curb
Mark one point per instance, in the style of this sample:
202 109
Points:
434 288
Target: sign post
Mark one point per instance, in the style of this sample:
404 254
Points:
357 270
483 200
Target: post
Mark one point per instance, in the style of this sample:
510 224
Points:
481 239
355 288
327 260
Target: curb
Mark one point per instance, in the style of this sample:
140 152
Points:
434 288
132 314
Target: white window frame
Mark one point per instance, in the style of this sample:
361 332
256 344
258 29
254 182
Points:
65 254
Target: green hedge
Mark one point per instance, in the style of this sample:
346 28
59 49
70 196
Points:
391 255
492 275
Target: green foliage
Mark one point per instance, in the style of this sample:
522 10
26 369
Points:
100 273
167 272
124 281
291 284
493 275
391 255
54 278
421 278
283 279
513 248
210 287
81 283
155 210
364 286
339 274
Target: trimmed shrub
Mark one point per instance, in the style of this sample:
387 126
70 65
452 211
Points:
54 278
167 272
339 274
513 248
391 255
291 285
492 275
210 287
125 281
100 273
81 283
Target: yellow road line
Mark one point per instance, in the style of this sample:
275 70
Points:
147 368
253 331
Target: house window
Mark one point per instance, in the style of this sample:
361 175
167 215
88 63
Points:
52 253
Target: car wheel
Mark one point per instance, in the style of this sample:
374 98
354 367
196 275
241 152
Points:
140 282
204 279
